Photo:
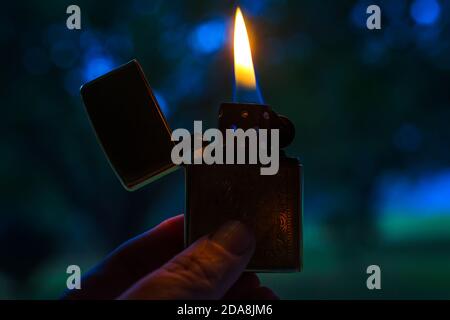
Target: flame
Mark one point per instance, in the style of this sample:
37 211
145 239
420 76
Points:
244 73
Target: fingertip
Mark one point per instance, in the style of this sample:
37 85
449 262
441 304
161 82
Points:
175 222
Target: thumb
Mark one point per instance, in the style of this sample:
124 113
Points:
205 270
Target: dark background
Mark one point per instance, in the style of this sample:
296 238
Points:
371 109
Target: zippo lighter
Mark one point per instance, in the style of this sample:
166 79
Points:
136 138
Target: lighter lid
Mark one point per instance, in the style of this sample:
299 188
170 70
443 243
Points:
129 125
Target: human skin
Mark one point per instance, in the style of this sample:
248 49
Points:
156 266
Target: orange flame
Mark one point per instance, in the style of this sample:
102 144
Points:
243 64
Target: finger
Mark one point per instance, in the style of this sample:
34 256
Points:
150 250
131 261
205 270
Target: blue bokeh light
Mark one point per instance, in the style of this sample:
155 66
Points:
358 14
162 103
97 66
209 36
425 12
424 196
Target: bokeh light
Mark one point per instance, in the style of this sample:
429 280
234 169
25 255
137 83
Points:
97 66
209 36
425 12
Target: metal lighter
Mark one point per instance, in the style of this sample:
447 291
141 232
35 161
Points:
136 139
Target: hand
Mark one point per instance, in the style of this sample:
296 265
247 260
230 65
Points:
153 266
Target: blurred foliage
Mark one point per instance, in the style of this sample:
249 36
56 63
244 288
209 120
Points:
370 107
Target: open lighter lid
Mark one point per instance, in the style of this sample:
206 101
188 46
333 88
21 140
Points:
129 125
